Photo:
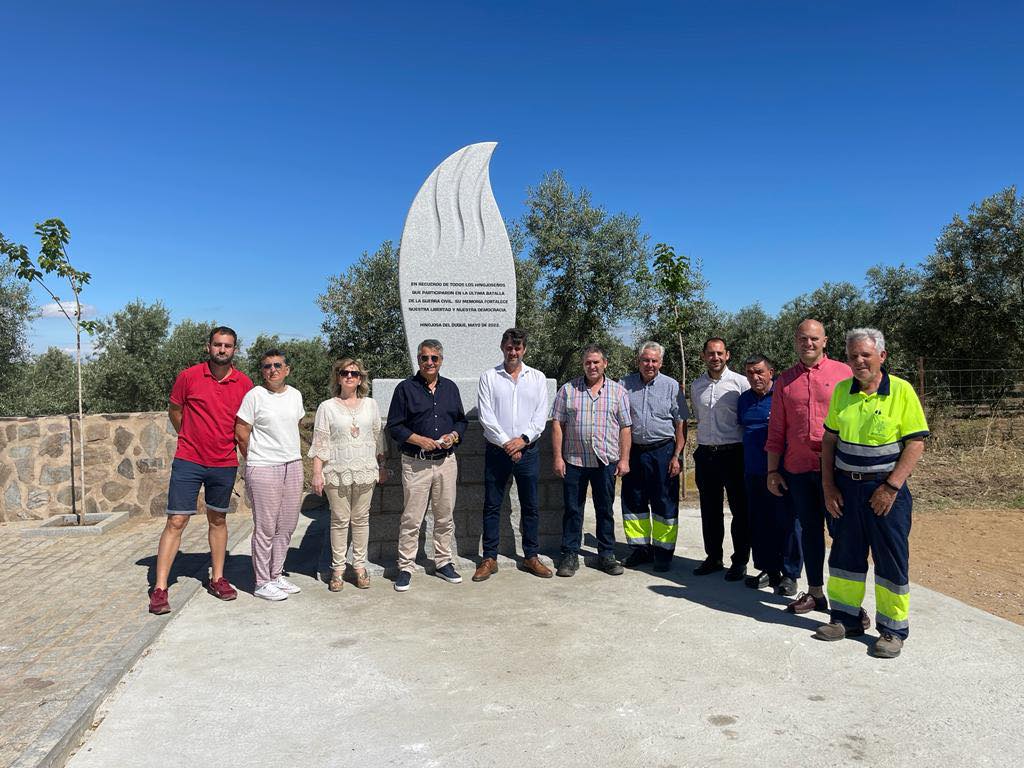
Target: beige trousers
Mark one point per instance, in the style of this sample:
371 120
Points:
350 508
426 481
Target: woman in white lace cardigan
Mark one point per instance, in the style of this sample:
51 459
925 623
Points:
347 453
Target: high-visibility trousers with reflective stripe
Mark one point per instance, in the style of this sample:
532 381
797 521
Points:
858 531
650 501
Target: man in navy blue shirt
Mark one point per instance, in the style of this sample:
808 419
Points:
427 421
774 538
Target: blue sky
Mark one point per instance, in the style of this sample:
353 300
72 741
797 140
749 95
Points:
226 157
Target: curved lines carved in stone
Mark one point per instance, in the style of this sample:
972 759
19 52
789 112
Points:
460 176
436 218
480 187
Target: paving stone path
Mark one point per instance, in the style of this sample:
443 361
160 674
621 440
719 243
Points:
73 617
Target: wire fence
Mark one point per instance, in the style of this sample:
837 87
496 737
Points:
966 386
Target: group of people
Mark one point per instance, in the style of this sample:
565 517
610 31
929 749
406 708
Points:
823 445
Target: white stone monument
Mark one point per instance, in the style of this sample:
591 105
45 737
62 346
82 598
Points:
456 273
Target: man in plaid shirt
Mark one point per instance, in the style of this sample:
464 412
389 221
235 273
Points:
590 440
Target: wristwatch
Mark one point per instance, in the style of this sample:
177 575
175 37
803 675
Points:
524 438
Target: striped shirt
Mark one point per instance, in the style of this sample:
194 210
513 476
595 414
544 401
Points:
714 404
872 429
591 423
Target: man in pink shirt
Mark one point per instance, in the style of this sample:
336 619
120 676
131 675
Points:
795 427
204 401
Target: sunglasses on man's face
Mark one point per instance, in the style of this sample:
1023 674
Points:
275 366
349 374
430 358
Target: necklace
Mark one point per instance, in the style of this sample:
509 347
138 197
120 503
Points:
353 427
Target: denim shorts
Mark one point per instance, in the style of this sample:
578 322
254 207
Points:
187 477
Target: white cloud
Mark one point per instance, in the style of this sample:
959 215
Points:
53 309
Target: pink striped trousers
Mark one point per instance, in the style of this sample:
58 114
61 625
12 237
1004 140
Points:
276 495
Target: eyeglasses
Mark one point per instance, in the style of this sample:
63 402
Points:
430 358
349 374
275 366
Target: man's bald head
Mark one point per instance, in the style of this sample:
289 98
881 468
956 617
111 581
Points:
809 341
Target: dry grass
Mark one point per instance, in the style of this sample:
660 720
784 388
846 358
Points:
972 464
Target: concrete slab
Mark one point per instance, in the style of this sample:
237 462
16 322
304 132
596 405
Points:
635 670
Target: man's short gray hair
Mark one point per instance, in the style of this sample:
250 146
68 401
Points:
432 344
873 335
652 345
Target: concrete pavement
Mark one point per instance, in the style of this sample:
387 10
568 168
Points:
638 670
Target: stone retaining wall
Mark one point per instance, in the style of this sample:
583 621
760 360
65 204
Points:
127 464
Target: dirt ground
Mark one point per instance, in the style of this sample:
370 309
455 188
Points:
974 555
967 538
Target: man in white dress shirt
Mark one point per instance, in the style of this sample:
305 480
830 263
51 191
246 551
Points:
718 460
513 406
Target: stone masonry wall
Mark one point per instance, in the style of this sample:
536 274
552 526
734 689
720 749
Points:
127 464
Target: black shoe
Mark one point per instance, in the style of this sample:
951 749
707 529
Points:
760 581
569 565
609 565
708 566
735 572
638 556
774 579
786 587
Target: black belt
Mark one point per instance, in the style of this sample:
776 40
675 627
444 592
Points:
428 455
881 476
722 447
645 447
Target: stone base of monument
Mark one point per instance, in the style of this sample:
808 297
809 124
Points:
386 512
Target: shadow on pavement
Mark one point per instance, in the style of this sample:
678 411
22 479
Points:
713 592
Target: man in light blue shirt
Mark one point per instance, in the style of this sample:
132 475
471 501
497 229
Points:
650 492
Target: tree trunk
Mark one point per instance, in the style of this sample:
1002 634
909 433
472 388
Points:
81 412
682 382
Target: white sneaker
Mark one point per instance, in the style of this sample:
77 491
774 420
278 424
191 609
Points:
286 586
270 592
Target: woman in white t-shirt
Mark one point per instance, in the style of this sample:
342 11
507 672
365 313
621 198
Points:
347 453
267 431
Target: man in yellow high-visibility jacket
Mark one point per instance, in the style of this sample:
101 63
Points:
874 437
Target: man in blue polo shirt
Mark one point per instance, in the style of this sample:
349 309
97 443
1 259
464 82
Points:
773 538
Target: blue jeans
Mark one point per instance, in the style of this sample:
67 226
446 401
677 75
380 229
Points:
497 469
807 500
574 492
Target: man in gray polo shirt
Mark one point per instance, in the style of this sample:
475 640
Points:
650 492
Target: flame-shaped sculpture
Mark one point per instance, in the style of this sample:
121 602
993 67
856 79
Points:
456 273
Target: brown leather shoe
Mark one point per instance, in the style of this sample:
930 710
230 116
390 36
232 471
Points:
806 602
487 566
536 567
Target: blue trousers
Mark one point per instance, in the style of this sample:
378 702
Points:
650 501
574 493
773 530
857 532
498 467
807 504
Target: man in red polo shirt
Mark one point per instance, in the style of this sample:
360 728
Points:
204 401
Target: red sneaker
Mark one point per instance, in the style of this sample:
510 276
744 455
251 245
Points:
221 589
158 602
